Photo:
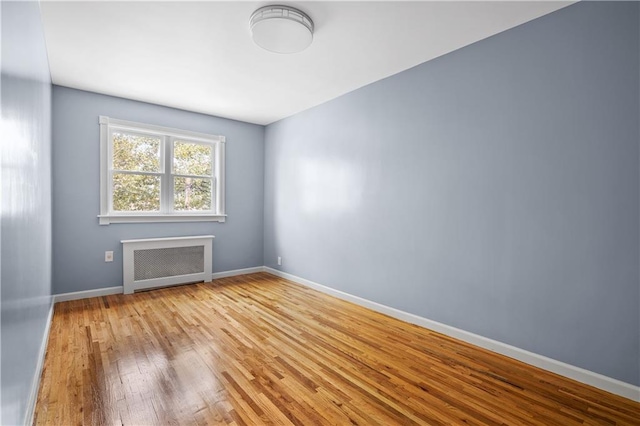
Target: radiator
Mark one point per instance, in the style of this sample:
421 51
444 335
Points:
160 262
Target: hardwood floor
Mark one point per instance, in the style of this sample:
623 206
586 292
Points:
257 349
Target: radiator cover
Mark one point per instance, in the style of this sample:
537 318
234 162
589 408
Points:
159 262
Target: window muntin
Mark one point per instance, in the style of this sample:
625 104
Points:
160 174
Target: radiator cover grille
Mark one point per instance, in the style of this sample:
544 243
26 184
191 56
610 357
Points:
167 262
160 262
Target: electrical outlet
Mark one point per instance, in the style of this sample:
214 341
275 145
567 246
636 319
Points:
279 261
108 256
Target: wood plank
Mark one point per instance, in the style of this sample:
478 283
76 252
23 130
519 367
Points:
258 349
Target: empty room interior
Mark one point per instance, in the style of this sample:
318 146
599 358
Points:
320 212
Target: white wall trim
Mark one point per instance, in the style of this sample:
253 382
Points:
106 291
166 137
597 380
35 385
235 272
171 131
76 295
108 219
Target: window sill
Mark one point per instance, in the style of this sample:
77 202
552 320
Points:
150 218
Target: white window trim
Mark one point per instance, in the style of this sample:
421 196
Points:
107 217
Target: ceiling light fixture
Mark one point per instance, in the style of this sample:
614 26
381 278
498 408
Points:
281 29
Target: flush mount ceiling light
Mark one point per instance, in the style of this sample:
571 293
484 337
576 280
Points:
281 29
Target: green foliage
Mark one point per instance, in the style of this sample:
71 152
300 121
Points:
136 153
138 192
192 193
191 159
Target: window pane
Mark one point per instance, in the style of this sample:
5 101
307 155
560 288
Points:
135 193
192 159
192 193
136 153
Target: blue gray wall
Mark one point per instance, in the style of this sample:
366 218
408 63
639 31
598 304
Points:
494 189
79 242
25 228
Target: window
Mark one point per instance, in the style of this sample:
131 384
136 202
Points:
156 174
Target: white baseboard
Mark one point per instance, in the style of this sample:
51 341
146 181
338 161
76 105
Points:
576 373
235 272
35 384
76 295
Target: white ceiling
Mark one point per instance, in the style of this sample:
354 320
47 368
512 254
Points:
199 56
